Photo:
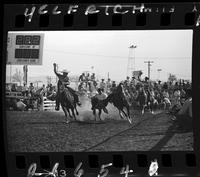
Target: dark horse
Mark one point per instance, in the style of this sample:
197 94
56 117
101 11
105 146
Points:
119 100
142 99
68 102
99 105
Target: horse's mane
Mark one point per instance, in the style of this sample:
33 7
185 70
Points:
67 95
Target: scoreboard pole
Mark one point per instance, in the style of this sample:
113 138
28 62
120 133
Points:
10 73
25 69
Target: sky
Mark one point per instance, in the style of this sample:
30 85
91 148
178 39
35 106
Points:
108 52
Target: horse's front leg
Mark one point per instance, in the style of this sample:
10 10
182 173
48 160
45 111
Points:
94 113
69 113
73 114
128 111
100 110
152 107
120 114
164 106
143 107
76 110
128 115
65 112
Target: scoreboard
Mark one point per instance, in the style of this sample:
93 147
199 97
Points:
25 48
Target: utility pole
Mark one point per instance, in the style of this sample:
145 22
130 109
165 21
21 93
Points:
149 65
25 71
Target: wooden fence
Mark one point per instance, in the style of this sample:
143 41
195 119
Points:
48 105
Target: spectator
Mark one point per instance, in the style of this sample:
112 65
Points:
108 85
146 79
177 96
165 94
127 82
114 86
93 77
8 88
13 88
165 86
188 85
25 90
44 90
20 105
31 89
93 80
102 84
87 79
49 89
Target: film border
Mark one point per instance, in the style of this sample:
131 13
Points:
80 21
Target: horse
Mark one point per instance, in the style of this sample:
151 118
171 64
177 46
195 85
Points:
99 105
67 102
142 99
119 100
152 103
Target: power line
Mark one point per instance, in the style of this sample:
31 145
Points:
122 57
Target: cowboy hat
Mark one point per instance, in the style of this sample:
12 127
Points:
65 71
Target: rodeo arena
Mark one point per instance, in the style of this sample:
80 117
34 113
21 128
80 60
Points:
86 113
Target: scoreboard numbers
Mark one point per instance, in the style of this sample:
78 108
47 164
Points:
27 40
19 40
36 40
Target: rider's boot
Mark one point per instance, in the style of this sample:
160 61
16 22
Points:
57 108
77 100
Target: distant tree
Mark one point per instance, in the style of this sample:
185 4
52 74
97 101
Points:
172 78
17 76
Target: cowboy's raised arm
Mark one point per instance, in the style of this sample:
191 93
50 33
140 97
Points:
55 70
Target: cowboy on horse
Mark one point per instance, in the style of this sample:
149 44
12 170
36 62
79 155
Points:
64 81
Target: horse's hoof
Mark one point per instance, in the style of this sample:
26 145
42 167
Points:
67 121
173 118
142 112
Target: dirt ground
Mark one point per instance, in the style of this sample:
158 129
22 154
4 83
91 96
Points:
47 131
